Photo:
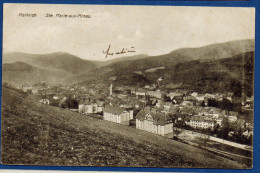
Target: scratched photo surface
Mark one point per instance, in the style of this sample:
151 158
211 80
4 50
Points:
127 86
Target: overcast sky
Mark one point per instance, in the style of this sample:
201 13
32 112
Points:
151 30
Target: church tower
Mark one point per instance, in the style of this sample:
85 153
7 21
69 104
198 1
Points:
111 89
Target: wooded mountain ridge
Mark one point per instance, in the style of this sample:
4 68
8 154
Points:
210 68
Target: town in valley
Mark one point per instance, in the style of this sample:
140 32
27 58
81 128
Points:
128 86
220 122
154 110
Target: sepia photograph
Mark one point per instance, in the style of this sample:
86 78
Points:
128 86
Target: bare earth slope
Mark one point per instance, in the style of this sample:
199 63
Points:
36 134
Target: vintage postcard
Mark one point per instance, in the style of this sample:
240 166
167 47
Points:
128 86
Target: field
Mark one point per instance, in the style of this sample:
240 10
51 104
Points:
36 134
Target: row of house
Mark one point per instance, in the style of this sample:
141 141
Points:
155 94
147 120
152 121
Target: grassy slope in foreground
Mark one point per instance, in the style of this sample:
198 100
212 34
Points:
36 134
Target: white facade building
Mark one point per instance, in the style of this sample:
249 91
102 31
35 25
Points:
117 114
157 123
201 122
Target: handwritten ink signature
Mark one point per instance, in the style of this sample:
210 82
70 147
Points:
122 51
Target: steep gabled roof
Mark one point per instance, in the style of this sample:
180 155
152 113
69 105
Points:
140 115
158 118
141 91
85 102
100 103
162 119
201 119
114 109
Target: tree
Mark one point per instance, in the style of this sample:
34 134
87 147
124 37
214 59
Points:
226 105
69 103
174 118
225 128
238 135
73 104
167 99
236 87
176 132
250 140
149 102
213 103
215 129
204 140
203 103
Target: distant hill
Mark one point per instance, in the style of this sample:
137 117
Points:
216 67
211 52
20 73
232 74
187 66
212 75
18 57
55 61
122 59
216 51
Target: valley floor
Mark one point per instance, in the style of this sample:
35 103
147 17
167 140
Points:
37 134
